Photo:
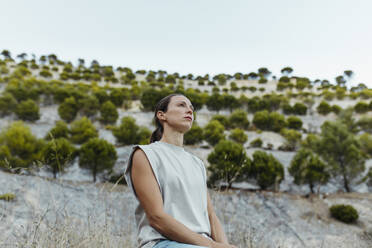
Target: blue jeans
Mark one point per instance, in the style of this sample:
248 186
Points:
174 244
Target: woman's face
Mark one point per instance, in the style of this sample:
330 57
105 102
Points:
179 114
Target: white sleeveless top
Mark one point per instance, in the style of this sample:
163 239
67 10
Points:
181 177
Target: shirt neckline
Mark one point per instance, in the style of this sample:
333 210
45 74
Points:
171 145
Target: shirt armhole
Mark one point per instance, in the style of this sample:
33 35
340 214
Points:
153 164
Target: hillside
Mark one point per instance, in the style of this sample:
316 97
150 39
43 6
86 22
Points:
72 211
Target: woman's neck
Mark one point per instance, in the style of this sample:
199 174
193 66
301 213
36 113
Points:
174 139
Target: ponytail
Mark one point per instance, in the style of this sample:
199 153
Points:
157 134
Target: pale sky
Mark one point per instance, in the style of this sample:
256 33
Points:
317 38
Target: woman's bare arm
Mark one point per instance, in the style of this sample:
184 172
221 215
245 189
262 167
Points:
217 231
148 193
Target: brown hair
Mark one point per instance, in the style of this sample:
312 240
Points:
162 105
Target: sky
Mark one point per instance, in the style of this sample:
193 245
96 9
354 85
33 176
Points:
319 39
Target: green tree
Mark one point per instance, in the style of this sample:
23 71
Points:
324 108
256 142
129 133
109 113
228 163
101 95
57 154
299 109
24 148
292 137
365 140
308 168
238 136
60 130
214 132
89 106
269 121
238 119
118 96
68 109
7 104
194 135
97 155
222 119
28 111
365 124
361 107
82 130
294 122
267 170
215 102
341 150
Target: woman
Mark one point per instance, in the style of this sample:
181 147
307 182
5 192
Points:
174 207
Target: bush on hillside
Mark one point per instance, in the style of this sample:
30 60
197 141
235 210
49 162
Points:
308 168
118 96
361 107
45 73
60 130
68 109
129 133
194 135
299 109
215 102
97 155
238 119
7 104
214 132
292 137
324 108
22 147
238 136
28 111
365 124
222 119
101 95
294 122
287 109
256 143
336 109
345 213
82 130
57 154
267 170
109 113
269 121
228 163
89 106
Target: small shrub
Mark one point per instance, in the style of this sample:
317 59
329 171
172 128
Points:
294 122
344 213
361 107
28 111
7 197
214 132
238 136
194 135
7 104
82 130
109 113
256 143
45 73
68 109
60 130
299 109
128 133
222 119
324 108
238 119
336 109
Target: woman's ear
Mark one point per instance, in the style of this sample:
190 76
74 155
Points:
161 115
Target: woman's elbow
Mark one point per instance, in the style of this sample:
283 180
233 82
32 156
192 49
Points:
155 220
